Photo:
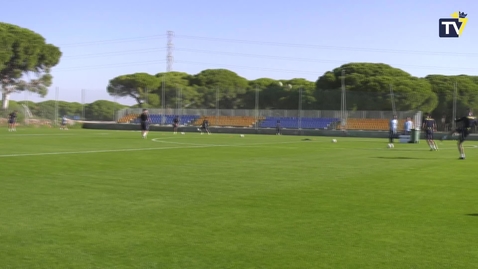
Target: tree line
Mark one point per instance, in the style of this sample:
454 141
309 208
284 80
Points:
101 110
368 86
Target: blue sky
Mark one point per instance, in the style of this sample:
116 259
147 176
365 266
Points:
104 39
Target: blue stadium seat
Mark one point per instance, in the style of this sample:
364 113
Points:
293 122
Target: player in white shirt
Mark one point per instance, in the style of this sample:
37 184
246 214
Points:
393 126
407 127
64 122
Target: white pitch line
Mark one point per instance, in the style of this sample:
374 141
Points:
192 146
95 151
295 142
124 150
15 135
71 134
158 140
405 149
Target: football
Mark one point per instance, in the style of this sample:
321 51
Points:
182 133
390 146
334 140
242 135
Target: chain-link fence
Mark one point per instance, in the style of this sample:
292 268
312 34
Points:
344 106
50 113
305 109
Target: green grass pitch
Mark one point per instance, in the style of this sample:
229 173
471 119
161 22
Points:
110 199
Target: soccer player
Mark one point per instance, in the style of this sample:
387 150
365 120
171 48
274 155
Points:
205 126
175 125
393 125
145 121
64 122
465 130
278 129
12 120
429 125
408 126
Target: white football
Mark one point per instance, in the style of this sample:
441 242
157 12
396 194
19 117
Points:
334 140
182 133
242 135
390 146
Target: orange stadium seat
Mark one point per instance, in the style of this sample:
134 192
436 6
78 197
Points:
371 124
232 121
128 118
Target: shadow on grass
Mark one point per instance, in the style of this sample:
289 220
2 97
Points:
398 158
472 215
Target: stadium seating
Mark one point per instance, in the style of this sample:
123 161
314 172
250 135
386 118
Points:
230 121
270 122
128 118
157 118
371 124
293 122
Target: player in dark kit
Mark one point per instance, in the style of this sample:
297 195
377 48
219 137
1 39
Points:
278 129
175 125
467 122
430 126
12 120
205 126
145 120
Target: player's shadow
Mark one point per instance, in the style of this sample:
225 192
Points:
472 215
397 158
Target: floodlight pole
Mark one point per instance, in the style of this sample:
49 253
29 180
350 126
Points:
392 98
169 68
57 93
455 95
217 105
300 108
163 99
177 102
83 104
257 107
343 109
